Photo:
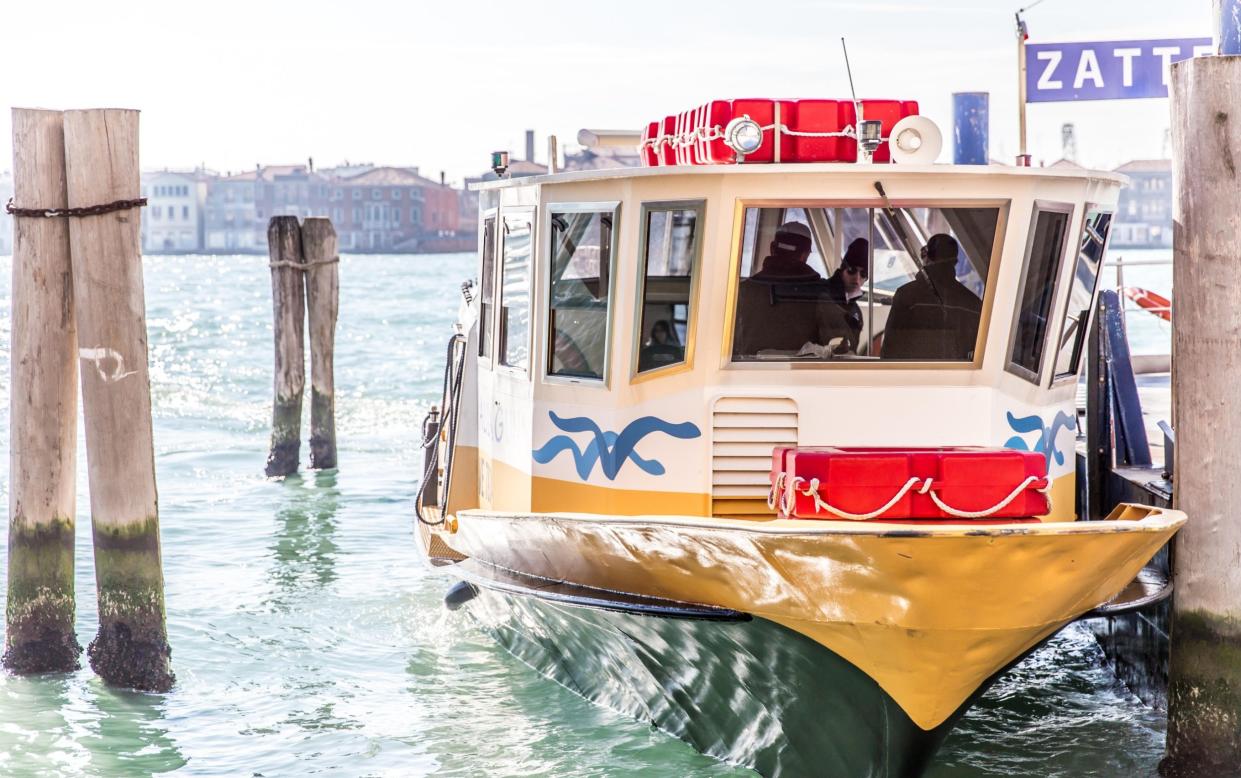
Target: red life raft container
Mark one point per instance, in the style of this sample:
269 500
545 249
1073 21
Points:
897 484
807 130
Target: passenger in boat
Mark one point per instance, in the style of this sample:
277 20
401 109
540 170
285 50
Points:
934 316
661 348
786 307
845 287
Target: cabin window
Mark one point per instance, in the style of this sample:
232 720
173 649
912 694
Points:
1081 292
863 284
669 267
515 291
487 283
580 291
1038 290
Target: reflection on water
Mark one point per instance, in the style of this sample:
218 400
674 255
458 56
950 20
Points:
307 638
72 724
303 549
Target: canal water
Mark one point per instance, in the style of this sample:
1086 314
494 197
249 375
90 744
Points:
308 639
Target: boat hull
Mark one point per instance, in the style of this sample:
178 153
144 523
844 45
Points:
749 691
929 612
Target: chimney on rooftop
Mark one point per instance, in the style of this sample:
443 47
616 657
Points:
443 178
529 145
310 163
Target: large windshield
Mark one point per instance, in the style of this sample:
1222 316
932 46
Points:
824 283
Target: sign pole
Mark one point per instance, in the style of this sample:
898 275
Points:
1023 158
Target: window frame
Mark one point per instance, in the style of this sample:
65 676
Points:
1037 207
488 360
699 207
499 366
1003 206
545 303
1059 379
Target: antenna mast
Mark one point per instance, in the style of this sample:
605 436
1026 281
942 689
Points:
856 105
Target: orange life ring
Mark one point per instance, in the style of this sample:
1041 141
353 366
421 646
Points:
1155 303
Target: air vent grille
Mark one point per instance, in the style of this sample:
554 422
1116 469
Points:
744 430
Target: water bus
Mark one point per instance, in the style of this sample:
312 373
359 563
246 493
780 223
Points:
770 442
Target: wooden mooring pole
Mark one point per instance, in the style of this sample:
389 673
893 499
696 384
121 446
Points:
322 303
284 248
39 635
101 159
1204 692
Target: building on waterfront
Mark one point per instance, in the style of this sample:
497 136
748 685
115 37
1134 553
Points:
6 221
1144 214
172 220
230 215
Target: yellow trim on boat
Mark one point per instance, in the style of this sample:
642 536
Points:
905 603
551 494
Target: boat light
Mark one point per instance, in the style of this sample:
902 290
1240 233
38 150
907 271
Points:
870 136
499 163
743 135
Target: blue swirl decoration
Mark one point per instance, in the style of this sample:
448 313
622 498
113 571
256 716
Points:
1045 444
610 450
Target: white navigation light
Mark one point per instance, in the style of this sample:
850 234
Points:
915 140
743 135
870 136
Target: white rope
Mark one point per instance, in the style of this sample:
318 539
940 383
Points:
999 506
813 492
926 488
845 133
774 494
303 265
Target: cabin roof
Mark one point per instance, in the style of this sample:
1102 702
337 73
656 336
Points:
830 168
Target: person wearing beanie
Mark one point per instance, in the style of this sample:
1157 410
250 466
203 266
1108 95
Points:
845 288
934 317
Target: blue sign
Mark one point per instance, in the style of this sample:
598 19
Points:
1107 70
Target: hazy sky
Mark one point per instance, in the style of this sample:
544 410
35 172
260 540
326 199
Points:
440 85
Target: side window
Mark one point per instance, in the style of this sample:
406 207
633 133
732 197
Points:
1038 288
1081 293
581 265
488 283
515 291
669 264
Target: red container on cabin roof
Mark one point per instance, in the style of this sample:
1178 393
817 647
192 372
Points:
667 149
859 482
650 144
822 116
695 137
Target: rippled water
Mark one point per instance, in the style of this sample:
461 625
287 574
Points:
306 637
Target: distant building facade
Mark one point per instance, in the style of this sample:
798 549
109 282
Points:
375 209
230 215
1144 214
172 219
6 221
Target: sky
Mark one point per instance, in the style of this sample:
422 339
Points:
228 84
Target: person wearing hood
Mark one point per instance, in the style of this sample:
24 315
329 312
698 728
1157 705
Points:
934 317
786 305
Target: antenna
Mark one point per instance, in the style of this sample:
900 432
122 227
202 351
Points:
856 105
869 134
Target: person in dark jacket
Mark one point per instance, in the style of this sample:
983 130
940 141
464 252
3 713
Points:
845 288
786 305
934 317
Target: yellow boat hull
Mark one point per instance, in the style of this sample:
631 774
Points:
929 612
